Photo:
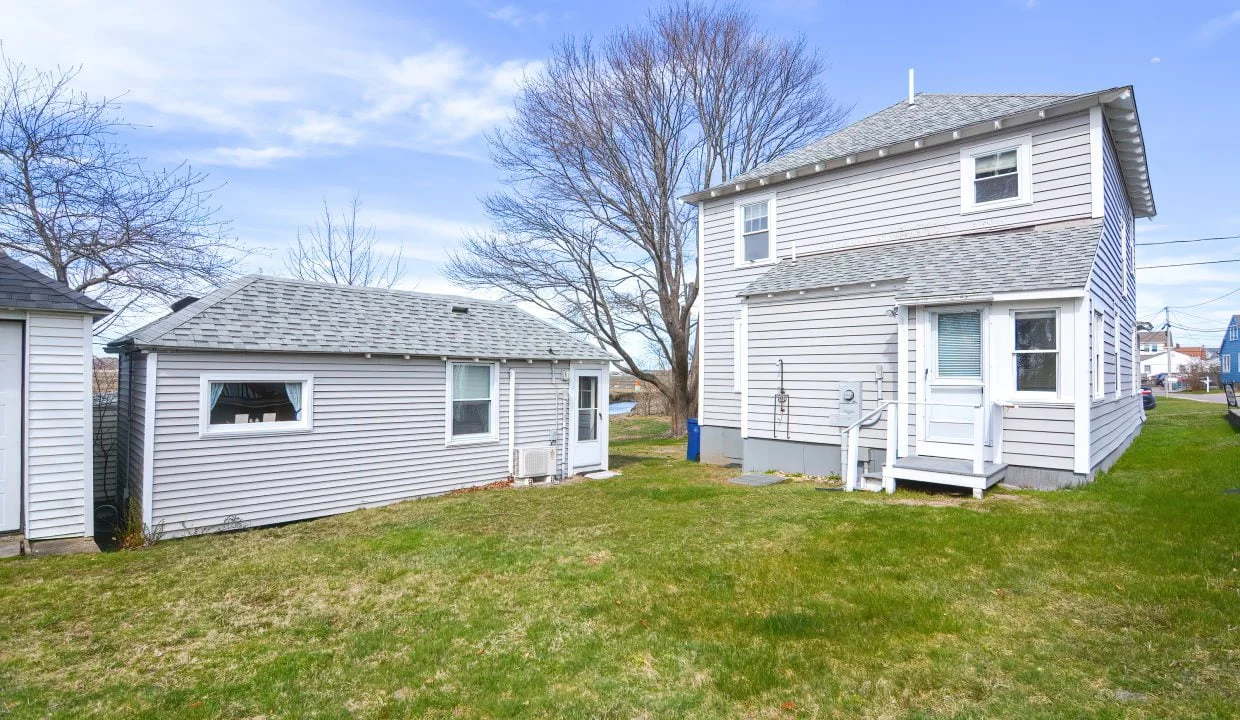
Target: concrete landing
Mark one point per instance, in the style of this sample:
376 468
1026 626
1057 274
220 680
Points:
14 545
757 479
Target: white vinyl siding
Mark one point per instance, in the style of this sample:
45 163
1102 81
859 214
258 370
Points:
378 438
1114 419
823 340
895 199
57 461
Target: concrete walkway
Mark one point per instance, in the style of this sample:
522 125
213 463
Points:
1219 397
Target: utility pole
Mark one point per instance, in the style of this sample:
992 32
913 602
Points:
1167 330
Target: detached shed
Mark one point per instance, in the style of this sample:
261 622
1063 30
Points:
45 405
274 400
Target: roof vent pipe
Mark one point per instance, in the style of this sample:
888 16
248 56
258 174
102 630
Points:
912 98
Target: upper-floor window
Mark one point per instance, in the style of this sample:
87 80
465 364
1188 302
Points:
755 231
1234 332
995 174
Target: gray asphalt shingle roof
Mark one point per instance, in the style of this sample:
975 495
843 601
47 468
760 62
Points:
257 313
24 288
969 265
932 113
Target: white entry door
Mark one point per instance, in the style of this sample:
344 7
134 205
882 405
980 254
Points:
10 425
587 419
954 362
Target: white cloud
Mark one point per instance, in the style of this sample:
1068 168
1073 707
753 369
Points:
1155 60
514 15
1213 28
265 82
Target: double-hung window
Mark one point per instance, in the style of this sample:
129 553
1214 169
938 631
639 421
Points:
755 232
1234 332
1037 352
995 175
249 404
472 402
1226 362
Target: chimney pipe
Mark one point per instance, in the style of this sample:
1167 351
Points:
912 99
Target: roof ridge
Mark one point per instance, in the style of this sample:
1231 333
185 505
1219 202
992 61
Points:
368 288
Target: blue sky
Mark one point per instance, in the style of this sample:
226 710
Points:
287 103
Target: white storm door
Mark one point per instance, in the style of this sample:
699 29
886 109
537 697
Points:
587 420
10 425
954 377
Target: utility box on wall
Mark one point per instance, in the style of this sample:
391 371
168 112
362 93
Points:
850 402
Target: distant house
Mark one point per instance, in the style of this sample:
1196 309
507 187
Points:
1152 341
942 292
1229 352
46 481
273 400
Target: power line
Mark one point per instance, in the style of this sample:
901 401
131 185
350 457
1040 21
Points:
1207 302
1193 240
1203 262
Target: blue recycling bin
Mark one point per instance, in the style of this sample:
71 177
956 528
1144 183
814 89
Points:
694 450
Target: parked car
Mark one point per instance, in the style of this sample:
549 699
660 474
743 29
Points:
1147 398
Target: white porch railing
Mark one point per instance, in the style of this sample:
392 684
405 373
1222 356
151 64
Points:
851 437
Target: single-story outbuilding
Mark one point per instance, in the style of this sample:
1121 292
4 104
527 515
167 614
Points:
273 400
45 405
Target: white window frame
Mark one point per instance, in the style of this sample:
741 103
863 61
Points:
1234 332
738 354
1115 351
304 425
1135 376
1125 241
1058 392
738 221
1023 145
492 435
1098 343
1225 363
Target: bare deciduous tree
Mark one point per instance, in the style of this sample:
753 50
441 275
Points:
602 144
339 250
75 203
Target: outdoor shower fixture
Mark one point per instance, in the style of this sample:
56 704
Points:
780 409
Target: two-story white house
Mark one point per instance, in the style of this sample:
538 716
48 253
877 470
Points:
941 292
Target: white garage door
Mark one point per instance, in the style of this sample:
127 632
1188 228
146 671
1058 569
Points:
10 425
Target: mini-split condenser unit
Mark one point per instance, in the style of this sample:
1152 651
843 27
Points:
535 462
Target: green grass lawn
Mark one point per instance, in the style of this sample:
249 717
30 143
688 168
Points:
667 593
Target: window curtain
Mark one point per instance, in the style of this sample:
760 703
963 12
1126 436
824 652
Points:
293 391
217 389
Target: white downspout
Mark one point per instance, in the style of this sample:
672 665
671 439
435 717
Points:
512 420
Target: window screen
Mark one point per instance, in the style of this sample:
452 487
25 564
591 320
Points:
1037 352
995 176
755 232
471 399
